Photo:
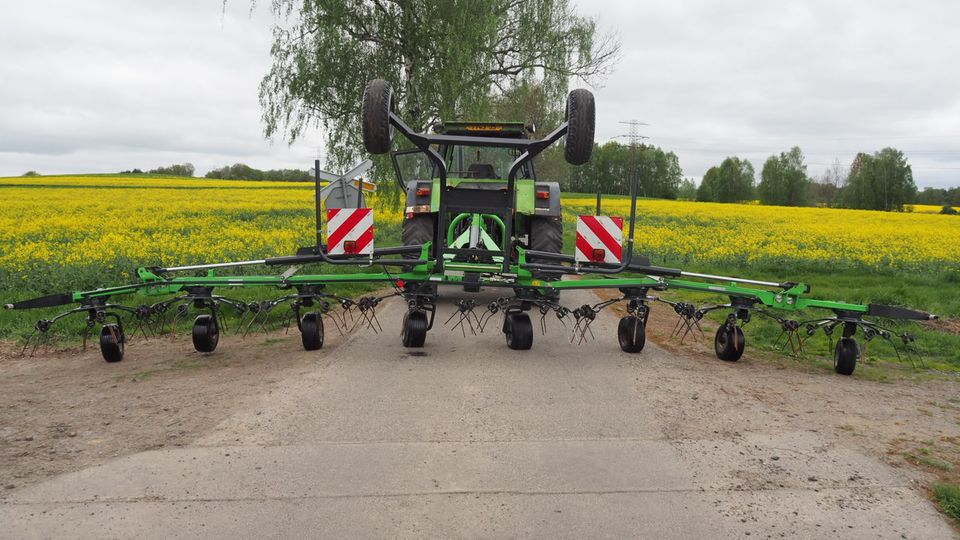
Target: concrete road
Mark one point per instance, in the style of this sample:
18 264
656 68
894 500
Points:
466 438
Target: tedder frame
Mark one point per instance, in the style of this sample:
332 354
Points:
532 280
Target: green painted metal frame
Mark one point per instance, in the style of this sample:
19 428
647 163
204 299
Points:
788 299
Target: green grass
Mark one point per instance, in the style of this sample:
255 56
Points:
948 496
925 459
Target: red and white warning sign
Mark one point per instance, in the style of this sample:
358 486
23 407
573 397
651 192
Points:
350 231
599 239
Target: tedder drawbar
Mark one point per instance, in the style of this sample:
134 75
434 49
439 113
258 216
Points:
476 217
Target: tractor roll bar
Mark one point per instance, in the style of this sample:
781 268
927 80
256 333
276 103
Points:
529 148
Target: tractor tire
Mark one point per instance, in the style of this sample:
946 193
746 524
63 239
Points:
845 356
112 343
206 333
546 234
632 334
415 325
729 343
418 230
581 117
377 105
311 331
519 331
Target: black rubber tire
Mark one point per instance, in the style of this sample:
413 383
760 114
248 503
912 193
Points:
546 234
419 229
729 343
206 333
845 356
375 124
632 334
311 331
519 331
112 343
414 329
581 118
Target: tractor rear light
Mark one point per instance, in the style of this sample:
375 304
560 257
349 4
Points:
423 191
543 194
350 247
599 255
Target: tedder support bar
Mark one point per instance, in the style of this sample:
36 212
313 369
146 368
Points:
788 299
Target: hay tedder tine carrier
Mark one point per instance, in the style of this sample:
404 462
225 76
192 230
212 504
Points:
476 217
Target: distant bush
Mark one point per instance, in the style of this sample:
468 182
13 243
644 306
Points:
949 210
240 171
134 171
184 169
31 173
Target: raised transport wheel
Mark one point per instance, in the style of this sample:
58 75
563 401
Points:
112 342
414 328
581 116
729 342
632 334
375 112
206 333
311 331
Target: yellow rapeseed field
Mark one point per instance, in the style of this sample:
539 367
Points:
54 225
823 237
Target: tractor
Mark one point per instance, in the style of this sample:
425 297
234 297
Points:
537 222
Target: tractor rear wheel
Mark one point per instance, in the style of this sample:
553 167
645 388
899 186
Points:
845 356
206 333
519 331
375 111
418 230
112 343
632 334
311 331
414 329
581 117
729 342
546 234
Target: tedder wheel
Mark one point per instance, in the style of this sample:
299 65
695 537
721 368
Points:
415 328
311 331
111 342
581 114
206 333
519 331
729 342
377 104
845 356
632 334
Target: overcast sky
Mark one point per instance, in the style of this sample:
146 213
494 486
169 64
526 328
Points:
102 86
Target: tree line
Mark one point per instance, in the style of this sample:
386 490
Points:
237 171
611 168
882 180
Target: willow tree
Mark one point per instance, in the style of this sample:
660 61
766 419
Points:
445 58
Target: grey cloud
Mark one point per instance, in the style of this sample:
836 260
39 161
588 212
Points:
104 86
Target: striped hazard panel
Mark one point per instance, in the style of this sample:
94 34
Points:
350 231
599 239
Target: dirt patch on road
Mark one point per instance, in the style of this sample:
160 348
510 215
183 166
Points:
907 418
66 410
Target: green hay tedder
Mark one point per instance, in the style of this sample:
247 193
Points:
476 217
